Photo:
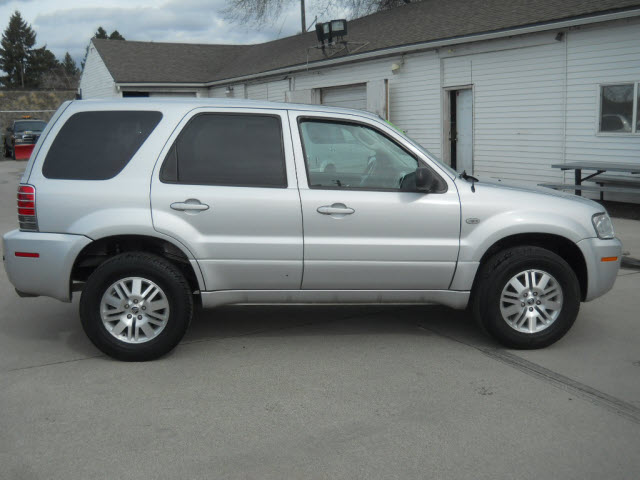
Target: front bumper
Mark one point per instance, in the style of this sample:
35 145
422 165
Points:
49 274
601 274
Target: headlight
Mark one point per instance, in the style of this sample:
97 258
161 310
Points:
602 224
19 140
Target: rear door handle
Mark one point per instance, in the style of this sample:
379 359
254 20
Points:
335 209
192 205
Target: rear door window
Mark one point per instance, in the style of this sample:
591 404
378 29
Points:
98 145
228 150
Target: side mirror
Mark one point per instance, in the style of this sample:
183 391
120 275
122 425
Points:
425 179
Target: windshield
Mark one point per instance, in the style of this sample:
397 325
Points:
34 126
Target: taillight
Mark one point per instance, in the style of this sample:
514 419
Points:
27 208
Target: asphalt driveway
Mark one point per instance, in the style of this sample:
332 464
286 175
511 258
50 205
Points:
320 392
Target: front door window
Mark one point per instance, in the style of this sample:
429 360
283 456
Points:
353 156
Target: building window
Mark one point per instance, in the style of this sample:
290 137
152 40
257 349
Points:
619 108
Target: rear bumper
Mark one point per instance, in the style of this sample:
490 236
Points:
47 275
601 275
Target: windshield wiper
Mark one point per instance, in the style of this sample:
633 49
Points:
471 178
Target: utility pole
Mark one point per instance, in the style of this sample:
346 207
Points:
304 22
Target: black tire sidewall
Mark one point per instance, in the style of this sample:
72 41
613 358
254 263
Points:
155 269
503 269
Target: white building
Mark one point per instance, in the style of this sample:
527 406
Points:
504 89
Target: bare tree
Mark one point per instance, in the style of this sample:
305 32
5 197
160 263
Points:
266 12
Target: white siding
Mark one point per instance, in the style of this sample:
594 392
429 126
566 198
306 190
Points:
273 91
237 91
598 56
276 90
518 112
535 98
594 57
457 71
96 81
257 91
414 91
218 92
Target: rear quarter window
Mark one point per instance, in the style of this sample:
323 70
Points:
98 145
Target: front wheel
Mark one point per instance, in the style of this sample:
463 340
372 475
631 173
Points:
526 297
136 306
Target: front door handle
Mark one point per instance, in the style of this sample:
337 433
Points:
190 205
335 209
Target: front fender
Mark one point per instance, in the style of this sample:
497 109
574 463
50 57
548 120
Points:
476 239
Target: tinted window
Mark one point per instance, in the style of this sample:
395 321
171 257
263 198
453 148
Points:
98 145
228 149
349 155
30 126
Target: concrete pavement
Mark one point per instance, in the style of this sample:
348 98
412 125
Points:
320 392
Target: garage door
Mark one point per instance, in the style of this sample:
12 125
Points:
351 96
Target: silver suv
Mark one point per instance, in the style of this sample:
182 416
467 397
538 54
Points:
148 207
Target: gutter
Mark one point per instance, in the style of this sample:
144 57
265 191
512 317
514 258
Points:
415 47
161 84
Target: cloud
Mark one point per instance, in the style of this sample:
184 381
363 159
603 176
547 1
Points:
69 27
7 2
190 21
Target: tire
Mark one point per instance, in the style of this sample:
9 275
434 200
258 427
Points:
147 304
13 153
541 318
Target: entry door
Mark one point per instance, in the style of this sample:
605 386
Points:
362 230
226 188
464 130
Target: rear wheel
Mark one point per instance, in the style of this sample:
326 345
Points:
526 297
136 306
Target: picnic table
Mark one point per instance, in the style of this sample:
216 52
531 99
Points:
633 184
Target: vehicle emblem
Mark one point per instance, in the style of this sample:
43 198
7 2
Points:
473 221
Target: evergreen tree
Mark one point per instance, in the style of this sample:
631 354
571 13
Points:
17 42
41 61
69 65
115 35
101 33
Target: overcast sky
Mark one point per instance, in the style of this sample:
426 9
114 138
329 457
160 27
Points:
67 25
